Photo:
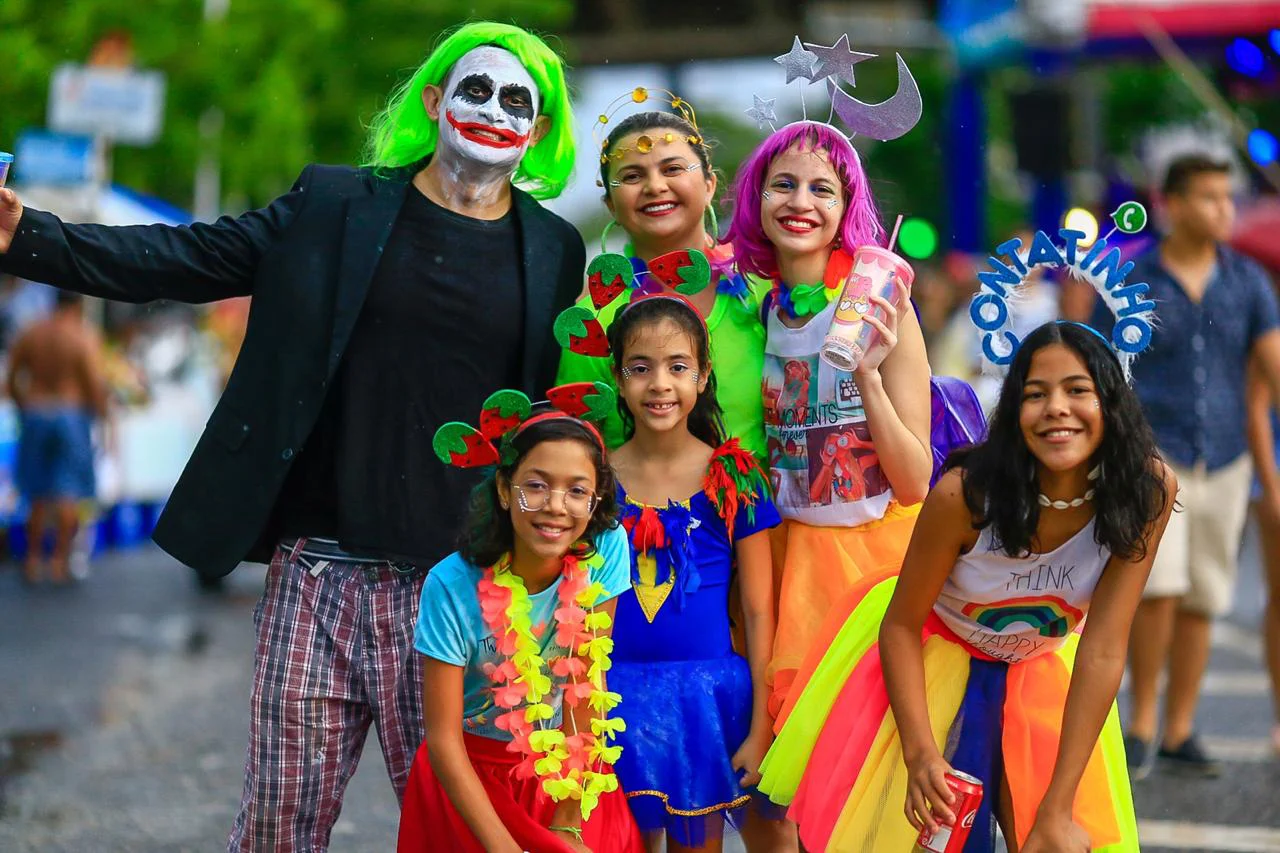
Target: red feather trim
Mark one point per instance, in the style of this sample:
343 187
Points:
734 481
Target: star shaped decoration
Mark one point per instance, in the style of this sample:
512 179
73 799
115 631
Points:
762 111
837 60
798 62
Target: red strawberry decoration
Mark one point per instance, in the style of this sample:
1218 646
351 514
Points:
591 401
608 276
463 446
578 330
686 272
503 411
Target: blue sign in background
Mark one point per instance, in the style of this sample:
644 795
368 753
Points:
983 32
46 157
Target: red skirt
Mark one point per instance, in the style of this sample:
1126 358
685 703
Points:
429 822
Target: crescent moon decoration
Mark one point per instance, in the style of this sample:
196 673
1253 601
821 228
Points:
887 119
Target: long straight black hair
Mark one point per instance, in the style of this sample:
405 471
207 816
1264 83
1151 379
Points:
706 421
1001 488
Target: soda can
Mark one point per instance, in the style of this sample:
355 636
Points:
951 838
6 160
875 272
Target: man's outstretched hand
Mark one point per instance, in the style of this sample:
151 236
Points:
10 215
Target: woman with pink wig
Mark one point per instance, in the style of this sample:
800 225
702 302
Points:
849 452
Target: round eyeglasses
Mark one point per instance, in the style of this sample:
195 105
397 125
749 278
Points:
534 495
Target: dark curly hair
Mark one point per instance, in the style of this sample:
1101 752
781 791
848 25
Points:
1000 486
487 533
706 421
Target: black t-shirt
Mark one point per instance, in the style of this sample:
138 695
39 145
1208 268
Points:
440 330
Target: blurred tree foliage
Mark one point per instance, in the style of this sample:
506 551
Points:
1137 97
296 80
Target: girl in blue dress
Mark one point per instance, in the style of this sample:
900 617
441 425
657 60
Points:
696 509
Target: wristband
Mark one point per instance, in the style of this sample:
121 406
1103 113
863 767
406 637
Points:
575 831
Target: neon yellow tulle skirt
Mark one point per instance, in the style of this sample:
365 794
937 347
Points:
837 760
815 567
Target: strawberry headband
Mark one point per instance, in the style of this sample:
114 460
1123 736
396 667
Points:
506 414
611 275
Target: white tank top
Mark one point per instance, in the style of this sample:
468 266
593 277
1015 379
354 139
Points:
1013 609
822 462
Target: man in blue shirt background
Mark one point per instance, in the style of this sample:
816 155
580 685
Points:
1216 311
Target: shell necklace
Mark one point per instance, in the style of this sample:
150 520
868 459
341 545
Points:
1045 501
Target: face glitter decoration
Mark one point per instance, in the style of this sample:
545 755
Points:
490 107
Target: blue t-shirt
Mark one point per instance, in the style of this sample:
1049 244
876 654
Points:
451 629
1191 381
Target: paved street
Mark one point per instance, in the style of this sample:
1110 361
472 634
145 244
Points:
123 723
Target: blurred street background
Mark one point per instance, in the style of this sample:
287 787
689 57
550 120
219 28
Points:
124 697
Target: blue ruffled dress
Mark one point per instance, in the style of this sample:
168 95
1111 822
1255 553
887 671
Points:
686 693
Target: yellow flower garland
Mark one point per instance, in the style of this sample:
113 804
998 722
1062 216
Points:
570 767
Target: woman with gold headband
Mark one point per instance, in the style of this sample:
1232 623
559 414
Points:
659 185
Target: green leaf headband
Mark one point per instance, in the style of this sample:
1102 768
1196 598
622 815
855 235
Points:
507 413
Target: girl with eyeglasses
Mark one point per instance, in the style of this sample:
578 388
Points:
515 632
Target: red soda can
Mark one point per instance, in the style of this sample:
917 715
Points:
950 838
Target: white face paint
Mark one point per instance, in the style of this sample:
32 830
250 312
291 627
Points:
490 105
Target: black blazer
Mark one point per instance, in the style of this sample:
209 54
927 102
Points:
307 260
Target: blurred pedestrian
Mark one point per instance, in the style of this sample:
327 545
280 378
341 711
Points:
387 301
1217 311
1263 436
57 382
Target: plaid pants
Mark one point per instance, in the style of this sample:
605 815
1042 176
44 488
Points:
334 654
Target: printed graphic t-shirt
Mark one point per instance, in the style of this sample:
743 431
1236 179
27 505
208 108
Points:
1013 609
451 629
824 468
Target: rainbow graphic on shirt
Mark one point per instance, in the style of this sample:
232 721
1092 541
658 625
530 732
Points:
1047 614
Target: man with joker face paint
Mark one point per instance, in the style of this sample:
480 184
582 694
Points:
388 299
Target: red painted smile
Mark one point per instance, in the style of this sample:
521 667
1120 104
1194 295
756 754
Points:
483 134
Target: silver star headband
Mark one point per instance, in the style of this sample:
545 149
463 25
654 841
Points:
814 63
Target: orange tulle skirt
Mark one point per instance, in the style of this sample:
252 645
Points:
837 759
430 824
813 569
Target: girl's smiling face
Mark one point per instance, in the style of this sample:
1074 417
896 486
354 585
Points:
1061 414
802 203
660 376
551 496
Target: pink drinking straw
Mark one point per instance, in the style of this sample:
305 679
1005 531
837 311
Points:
893 238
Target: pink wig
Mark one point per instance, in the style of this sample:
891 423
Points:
859 227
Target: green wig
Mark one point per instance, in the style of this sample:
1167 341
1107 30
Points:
403 133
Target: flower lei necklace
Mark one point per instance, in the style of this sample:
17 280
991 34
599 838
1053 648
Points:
569 766
803 300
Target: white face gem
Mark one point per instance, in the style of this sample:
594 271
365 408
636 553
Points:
490 104
766 195
832 203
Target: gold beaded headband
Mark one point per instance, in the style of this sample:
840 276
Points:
645 142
